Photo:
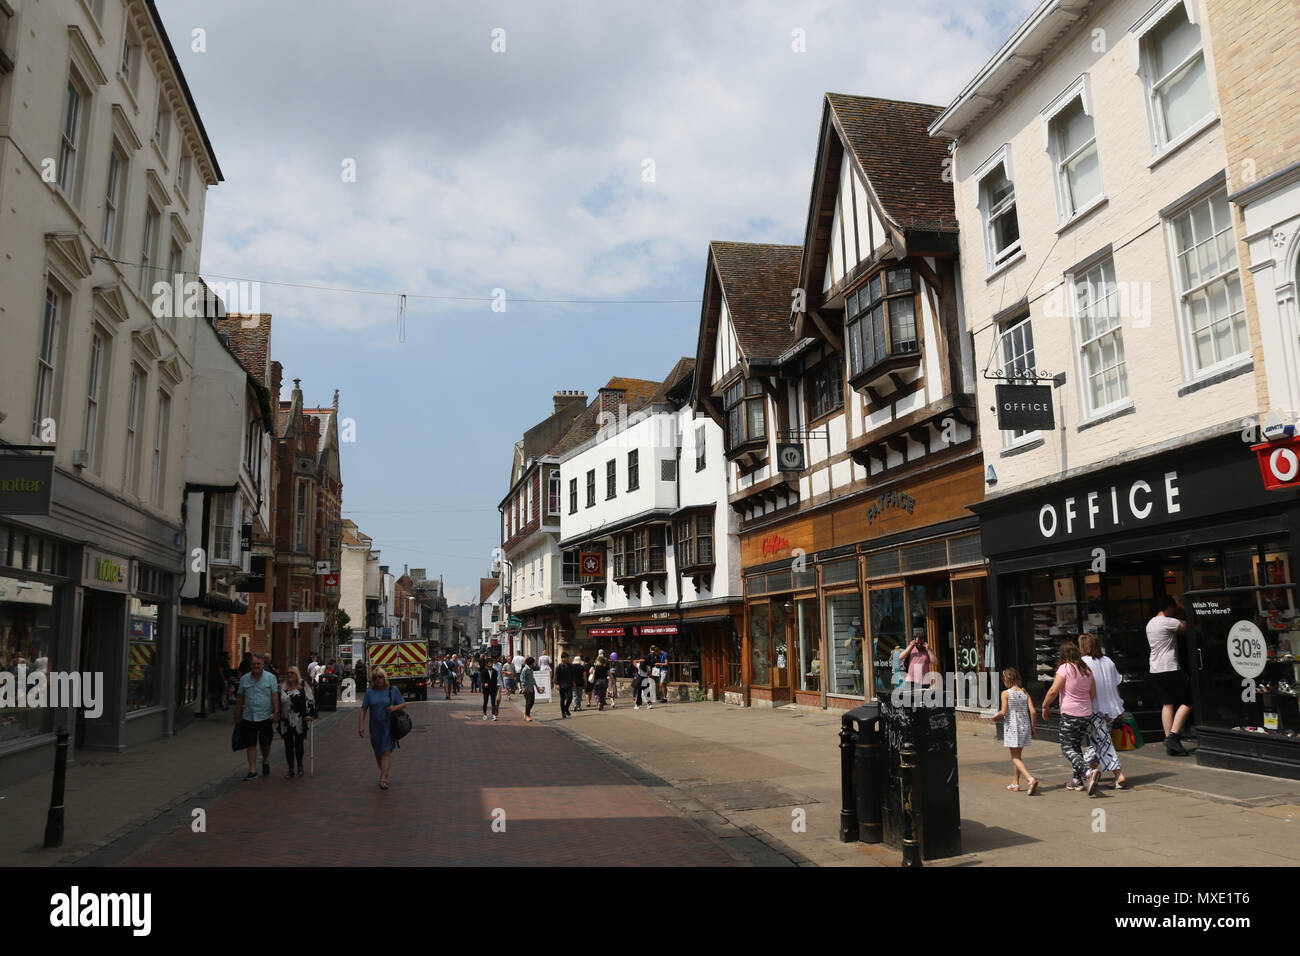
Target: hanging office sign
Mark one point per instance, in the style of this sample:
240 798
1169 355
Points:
25 484
1025 407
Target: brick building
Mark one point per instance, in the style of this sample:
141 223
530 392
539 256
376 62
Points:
1257 60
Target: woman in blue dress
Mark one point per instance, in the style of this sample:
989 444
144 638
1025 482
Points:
380 701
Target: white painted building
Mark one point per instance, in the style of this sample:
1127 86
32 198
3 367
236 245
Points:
647 491
104 170
1091 185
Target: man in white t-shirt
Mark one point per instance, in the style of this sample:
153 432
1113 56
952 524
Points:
312 669
1163 632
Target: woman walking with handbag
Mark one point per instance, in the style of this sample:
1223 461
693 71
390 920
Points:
381 701
529 684
601 682
297 708
489 676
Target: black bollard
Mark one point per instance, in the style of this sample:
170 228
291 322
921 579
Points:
54 819
848 808
911 828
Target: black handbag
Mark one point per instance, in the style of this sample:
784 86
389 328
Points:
399 721
237 738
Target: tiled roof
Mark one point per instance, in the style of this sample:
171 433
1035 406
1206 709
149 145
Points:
249 343
890 140
758 281
683 369
639 393
485 588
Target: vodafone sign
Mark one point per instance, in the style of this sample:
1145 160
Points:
1279 462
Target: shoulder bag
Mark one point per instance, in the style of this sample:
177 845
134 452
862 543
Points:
399 721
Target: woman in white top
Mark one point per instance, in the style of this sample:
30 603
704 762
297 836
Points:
1106 709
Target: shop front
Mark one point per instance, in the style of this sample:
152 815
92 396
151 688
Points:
854 583
1097 553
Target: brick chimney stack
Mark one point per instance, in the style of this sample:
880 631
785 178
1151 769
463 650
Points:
610 400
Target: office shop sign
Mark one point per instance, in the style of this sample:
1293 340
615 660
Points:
1027 407
1126 500
25 484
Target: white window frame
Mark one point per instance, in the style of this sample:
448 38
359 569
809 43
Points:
1066 209
94 396
115 189
993 262
1117 329
223 533
162 128
72 133
149 245
1184 295
528 509
161 427
53 307
1161 143
554 493
183 178
1013 437
132 428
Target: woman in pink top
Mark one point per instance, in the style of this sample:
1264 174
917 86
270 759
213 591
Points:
1076 688
918 661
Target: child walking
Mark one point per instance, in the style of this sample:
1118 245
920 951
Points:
1018 709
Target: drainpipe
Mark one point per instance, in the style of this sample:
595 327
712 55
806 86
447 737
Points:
678 472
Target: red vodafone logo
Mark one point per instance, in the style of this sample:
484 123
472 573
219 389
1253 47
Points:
1279 462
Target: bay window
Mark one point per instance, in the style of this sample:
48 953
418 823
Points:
746 412
824 388
881 319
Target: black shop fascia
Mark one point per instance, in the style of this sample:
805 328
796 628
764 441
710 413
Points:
1095 552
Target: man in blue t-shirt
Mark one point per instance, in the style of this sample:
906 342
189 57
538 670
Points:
257 706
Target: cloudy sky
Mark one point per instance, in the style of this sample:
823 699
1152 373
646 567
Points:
519 169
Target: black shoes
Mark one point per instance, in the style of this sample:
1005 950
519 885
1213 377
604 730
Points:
1174 746
266 768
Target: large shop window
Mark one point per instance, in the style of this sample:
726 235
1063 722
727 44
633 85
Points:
189 669
1242 611
27 647
143 668
844 635
888 637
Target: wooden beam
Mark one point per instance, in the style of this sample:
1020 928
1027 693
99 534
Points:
824 327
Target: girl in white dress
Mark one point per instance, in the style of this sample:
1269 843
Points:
1018 709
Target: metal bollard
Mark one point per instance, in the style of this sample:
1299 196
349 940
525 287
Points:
54 819
911 809
868 782
848 808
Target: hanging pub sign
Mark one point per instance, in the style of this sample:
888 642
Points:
789 458
592 564
1025 407
25 483
246 537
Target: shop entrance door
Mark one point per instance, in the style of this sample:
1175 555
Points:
784 642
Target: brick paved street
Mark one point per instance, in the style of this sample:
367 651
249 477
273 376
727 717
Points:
563 805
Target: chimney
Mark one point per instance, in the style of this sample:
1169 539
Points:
567 397
277 377
610 400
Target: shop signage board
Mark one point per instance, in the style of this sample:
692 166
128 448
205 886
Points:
1279 463
106 572
1025 406
1247 651
605 632
25 484
789 458
1200 483
299 617
656 630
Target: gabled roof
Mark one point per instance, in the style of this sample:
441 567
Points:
682 371
758 282
485 588
903 163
